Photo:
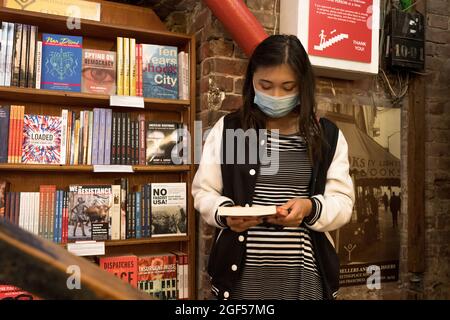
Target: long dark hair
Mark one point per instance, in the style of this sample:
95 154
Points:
273 51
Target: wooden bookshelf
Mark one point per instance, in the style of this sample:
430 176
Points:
88 168
102 35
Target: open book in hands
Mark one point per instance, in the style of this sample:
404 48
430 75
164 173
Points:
254 211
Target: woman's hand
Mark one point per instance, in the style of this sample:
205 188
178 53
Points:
292 213
240 224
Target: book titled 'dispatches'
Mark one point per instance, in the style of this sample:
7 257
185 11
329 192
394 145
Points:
160 71
98 74
61 62
41 139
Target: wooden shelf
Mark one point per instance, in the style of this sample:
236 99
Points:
86 168
156 240
65 98
58 24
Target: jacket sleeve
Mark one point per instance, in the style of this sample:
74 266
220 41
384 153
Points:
207 185
334 208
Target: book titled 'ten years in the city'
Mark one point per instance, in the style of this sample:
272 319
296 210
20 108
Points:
61 62
160 71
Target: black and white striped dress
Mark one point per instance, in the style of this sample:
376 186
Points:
280 264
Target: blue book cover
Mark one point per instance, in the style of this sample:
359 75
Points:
160 71
61 62
4 133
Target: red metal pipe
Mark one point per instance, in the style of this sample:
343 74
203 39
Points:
237 19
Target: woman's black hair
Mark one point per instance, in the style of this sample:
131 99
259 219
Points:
274 51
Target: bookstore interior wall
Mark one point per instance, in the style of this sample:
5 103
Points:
92 140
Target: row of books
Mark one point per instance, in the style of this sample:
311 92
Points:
59 62
18 55
98 137
98 212
164 276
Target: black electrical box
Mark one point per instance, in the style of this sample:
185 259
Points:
405 40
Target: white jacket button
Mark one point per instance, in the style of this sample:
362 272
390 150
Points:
226 294
234 267
262 142
241 238
252 172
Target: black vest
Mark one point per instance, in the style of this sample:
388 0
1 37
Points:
239 184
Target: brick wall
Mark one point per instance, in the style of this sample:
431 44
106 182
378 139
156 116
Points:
220 68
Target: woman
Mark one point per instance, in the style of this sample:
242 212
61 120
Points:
288 255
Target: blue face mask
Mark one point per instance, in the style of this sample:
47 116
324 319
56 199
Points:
275 107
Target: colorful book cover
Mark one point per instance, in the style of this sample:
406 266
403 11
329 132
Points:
157 276
168 209
41 139
160 71
124 267
98 73
161 140
61 62
89 212
8 292
4 133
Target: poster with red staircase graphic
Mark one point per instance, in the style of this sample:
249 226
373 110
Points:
341 29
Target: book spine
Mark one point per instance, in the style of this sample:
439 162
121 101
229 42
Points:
145 211
31 77
3 41
85 136
138 220
21 222
128 142
51 212
101 137
114 139
64 116
108 120
20 135
17 208
38 64
77 141
80 138
123 215
180 75
115 221
17 55
124 139
9 54
186 76
91 130
23 56
132 67
56 217
119 66
132 143
136 142
4 132
126 66
133 216
95 136
72 139
65 231
141 120
137 70
12 110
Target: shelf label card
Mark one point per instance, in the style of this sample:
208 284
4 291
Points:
113 168
86 248
126 101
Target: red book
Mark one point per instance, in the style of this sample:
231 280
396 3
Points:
123 267
157 276
8 292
